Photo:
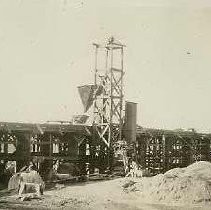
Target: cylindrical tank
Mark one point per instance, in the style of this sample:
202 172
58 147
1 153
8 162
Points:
130 121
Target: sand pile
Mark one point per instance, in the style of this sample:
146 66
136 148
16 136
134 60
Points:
185 185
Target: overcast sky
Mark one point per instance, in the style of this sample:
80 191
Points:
46 52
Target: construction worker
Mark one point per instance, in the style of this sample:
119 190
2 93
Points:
134 168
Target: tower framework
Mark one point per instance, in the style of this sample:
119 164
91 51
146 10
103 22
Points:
108 106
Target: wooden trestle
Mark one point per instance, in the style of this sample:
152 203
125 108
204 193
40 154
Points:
44 144
161 150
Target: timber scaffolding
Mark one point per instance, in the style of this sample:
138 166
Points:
161 150
45 144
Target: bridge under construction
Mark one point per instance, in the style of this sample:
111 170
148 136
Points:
113 128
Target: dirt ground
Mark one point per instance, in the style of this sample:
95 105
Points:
90 195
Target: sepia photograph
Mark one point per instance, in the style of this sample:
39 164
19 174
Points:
105 105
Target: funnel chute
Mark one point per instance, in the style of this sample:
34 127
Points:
87 94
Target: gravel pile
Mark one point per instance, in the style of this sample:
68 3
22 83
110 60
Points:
184 185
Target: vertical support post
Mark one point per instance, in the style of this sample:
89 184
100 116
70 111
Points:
23 150
50 146
111 100
47 164
164 143
121 94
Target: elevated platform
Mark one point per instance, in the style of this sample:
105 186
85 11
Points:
155 149
42 128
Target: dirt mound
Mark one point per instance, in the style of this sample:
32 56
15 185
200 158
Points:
185 185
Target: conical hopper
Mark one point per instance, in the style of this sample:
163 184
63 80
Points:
87 94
